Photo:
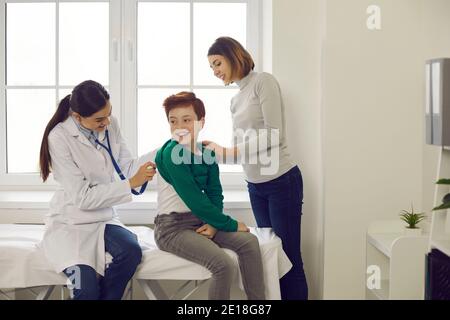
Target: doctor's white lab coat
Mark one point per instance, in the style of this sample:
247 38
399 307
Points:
83 203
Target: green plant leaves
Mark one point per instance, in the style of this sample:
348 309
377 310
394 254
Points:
445 203
446 198
442 206
411 218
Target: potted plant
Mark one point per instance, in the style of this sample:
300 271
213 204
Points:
446 200
412 219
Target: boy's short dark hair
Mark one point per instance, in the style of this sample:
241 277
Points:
185 99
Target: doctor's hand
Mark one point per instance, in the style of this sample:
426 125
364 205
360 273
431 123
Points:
242 227
207 230
144 174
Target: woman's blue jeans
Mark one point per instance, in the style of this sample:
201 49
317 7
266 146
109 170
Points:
122 245
278 204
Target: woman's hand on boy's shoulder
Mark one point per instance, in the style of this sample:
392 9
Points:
221 153
218 149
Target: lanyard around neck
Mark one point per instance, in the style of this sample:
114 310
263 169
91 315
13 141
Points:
116 166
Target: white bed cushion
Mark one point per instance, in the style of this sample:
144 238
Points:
21 263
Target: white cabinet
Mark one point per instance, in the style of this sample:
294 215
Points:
440 232
440 219
395 262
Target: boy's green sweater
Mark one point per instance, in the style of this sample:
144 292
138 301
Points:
196 180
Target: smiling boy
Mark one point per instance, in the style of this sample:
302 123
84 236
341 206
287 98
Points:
190 221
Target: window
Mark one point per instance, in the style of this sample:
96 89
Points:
161 53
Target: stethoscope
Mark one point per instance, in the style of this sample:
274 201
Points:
116 166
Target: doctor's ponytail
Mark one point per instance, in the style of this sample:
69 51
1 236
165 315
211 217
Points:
61 114
87 98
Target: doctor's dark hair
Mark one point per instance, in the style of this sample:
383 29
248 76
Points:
240 60
86 99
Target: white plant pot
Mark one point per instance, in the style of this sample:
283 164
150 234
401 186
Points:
412 232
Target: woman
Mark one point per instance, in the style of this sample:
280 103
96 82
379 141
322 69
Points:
83 147
276 191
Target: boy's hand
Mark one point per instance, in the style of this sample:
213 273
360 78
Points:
242 227
207 230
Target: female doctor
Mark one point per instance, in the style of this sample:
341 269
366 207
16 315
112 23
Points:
83 147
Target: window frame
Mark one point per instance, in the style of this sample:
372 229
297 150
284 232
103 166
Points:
123 85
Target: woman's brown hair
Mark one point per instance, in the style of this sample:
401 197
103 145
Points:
240 60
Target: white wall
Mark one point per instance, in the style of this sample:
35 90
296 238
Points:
436 45
297 28
355 124
373 130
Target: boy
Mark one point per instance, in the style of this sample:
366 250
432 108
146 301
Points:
190 221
